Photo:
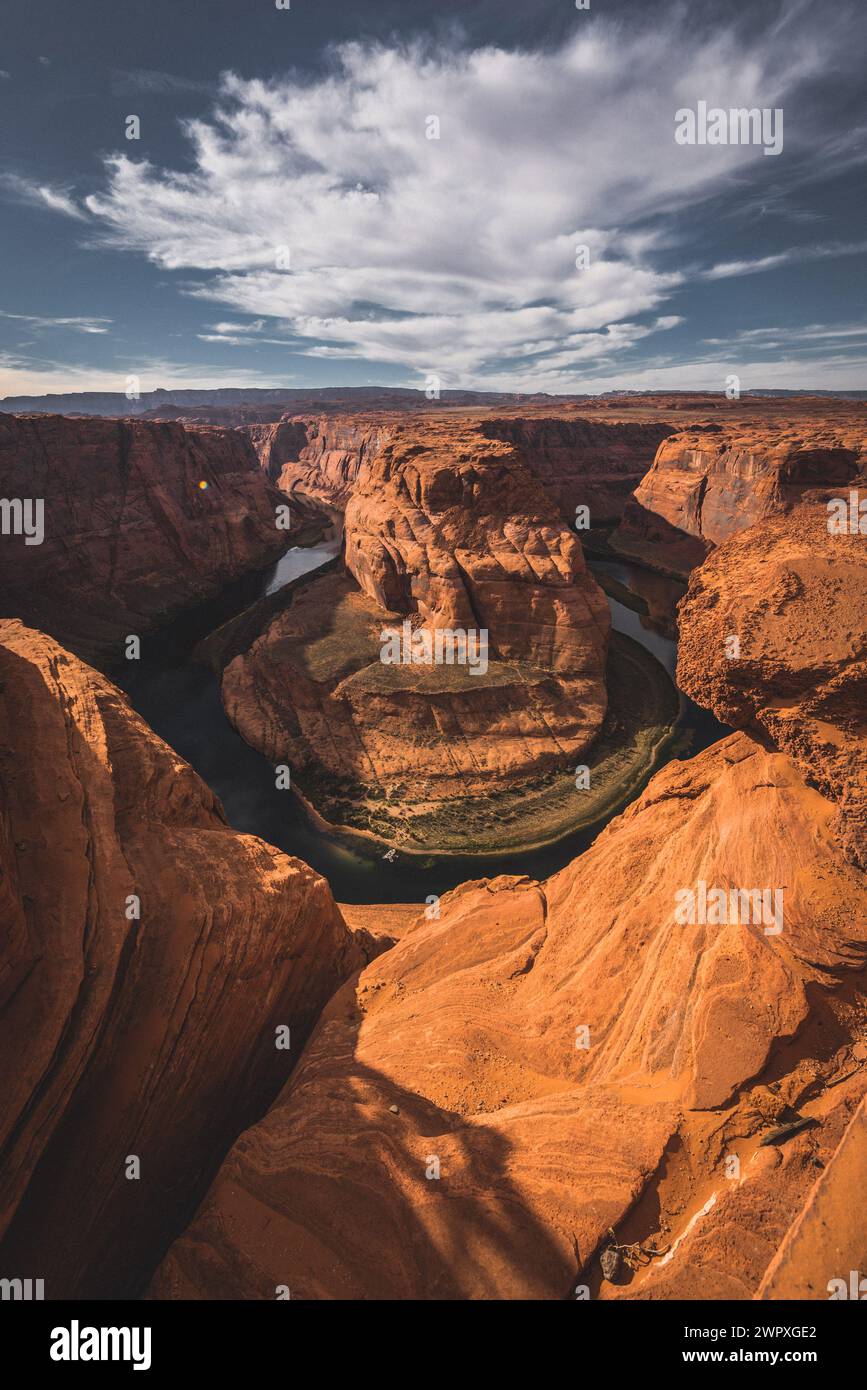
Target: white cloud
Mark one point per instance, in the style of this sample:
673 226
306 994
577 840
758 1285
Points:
457 255
42 195
153 82
79 324
792 255
791 335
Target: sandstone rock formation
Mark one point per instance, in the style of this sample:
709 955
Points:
824 1246
458 531
278 444
321 458
461 1052
120 1036
130 535
707 484
448 531
794 596
727 1239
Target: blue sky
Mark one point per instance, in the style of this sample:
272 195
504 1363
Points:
284 218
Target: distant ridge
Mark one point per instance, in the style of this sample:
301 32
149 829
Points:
357 397
156 403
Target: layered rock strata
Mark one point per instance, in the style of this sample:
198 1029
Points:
705 485
445 533
583 462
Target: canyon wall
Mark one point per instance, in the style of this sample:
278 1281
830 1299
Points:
793 597
458 530
130 535
321 458
707 484
148 956
583 461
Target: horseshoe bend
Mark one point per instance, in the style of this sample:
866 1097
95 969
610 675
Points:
433 681
350 808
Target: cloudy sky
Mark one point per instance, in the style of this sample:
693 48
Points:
285 217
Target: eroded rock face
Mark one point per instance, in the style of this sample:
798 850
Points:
577 460
151 1037
794 597
130 535
706 485
458 531
824 1245
738 1244
322 458
461 1051
583 462
277 444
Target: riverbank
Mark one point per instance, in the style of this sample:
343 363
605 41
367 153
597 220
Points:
180 699
639 727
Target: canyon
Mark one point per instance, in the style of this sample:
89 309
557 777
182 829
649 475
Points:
526 1087
450 531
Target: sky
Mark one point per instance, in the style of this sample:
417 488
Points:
491 195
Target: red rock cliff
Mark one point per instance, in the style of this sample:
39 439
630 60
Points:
152 1037
794 597
322 458
583 462
130 536
450 531
706 485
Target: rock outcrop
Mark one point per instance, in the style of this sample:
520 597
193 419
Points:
707 484
140 520
277 444
491 1095
458 531
774 636
739 1223
148 956
577 460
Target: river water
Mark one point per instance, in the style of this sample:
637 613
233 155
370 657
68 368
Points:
180 699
